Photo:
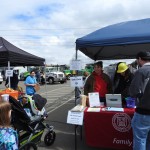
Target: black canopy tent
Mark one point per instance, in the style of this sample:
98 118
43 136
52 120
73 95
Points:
14 56
17 56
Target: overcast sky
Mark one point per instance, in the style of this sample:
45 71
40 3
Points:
49 28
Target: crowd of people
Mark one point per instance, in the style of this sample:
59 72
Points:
128 84
125 82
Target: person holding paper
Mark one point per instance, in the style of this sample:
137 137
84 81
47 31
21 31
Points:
140 88
98 82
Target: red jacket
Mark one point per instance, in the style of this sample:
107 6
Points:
101 84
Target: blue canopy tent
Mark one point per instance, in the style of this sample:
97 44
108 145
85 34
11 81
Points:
119 41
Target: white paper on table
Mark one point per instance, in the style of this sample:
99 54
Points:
78 108
94 99
114 109
93 109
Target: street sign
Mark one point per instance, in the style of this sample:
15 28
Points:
9 73
75 65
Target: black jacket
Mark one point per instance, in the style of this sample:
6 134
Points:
13 81
122 85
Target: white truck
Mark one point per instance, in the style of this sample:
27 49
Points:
54 75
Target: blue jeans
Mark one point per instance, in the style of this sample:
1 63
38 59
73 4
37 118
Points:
141 132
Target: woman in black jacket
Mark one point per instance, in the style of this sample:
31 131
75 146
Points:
122 80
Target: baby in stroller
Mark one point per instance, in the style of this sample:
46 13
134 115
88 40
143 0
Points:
34 106
30 127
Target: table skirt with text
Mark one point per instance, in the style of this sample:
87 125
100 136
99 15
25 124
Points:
107 129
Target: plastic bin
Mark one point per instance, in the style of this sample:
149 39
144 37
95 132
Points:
130 102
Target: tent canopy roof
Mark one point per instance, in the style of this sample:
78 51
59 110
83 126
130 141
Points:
119 41
17 56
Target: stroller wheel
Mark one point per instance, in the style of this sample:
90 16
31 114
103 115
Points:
29 146
49 138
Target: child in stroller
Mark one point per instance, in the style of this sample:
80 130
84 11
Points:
30 129
33 106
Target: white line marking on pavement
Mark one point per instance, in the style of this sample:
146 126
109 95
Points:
51 90
61 105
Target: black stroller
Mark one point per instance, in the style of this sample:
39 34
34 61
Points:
30 130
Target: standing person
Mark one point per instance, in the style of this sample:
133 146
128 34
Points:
8 136
13 81
85 76
42 78
122 80
98 82
30 83
140 88
38 76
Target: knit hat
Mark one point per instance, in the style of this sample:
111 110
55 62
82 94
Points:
143 55
99 63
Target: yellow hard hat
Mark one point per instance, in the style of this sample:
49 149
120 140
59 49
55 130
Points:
122 67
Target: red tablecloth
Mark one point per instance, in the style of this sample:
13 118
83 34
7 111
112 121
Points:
109 129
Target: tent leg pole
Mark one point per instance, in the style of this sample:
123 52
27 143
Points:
76 96
9 76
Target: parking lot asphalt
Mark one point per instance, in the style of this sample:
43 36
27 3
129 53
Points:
65 133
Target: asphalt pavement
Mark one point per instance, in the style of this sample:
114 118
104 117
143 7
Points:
65 133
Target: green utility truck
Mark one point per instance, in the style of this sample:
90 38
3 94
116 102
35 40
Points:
70 73
23 75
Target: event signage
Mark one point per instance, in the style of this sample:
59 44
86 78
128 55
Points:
94 99
75 118
9 73
76 81
75 65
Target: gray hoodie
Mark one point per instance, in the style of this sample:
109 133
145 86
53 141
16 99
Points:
140 88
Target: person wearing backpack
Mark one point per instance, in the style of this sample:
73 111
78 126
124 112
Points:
140 88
